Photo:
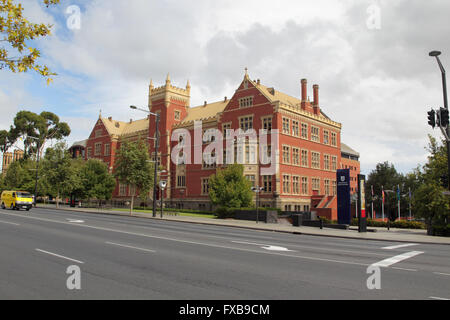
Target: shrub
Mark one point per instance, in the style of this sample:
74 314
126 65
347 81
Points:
441 230
224 212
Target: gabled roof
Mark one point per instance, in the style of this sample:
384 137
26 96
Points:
119 128
204 112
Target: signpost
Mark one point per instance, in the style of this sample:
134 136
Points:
343 196
362 218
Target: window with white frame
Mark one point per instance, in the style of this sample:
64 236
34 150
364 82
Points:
267 183
305 158
246 102
305 185
286 154
286 183
315 183
334 163
295 128
326 137
315 134
333 139
205 186
296 156
326 162
315 160
296 185
286 126
304 131
98 149
246 123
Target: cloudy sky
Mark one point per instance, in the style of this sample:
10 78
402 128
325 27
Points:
370 58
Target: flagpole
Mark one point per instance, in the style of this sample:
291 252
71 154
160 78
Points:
398 200
410 217
372 200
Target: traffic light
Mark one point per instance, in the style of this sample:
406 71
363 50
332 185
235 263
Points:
432 118
444 117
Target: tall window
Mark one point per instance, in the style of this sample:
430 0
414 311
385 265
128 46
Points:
251 178
334 163
327 187
315 160
304 131
267 183
205 186
304 185
326 137
107 149
326 162
286 184
333 139
295 128
295 156
98 149
122 189
286 154
181 181
89 152
225 127
295 185
246 123
315 134
267 124
315 184
334 188
286 126
304 158
177 115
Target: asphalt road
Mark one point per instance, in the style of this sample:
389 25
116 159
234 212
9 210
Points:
136 258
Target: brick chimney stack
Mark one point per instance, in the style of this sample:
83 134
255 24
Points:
304 90
316 99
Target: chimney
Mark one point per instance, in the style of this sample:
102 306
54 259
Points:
206 102
258 82
225 99
304 89
316 99
110 119
131 120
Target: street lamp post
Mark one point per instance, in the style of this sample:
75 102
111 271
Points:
156 154
436 54
37 168
257 190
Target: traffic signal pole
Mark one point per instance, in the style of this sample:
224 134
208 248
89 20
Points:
444 87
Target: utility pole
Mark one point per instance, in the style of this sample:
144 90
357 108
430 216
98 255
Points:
444 126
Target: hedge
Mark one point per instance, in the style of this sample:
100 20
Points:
402 224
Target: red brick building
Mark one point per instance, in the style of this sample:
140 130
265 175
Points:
306 159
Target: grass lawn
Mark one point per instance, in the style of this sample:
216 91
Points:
181 214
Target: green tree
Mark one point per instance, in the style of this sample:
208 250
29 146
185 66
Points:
58 172
97 182
44 126
229 188
16 32
134 168
430 202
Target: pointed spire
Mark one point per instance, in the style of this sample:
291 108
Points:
246 72
100 114
188 85
168 79
151 84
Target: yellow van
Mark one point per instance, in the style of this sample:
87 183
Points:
16 200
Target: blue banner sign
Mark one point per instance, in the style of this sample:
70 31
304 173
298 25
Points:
343 196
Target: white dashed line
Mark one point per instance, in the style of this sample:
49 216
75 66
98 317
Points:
400 246
130 247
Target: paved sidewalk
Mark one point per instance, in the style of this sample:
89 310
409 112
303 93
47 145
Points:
382 234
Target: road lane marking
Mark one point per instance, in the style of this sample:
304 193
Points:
400 246
265 246
12 223
192 242
405 269
59 256
438 298
130 247
75 221
396 259
443 274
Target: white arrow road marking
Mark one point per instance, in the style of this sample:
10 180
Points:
400 246
390 261
59 256
265 246
75 221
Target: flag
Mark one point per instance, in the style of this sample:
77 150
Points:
382 194
398 192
